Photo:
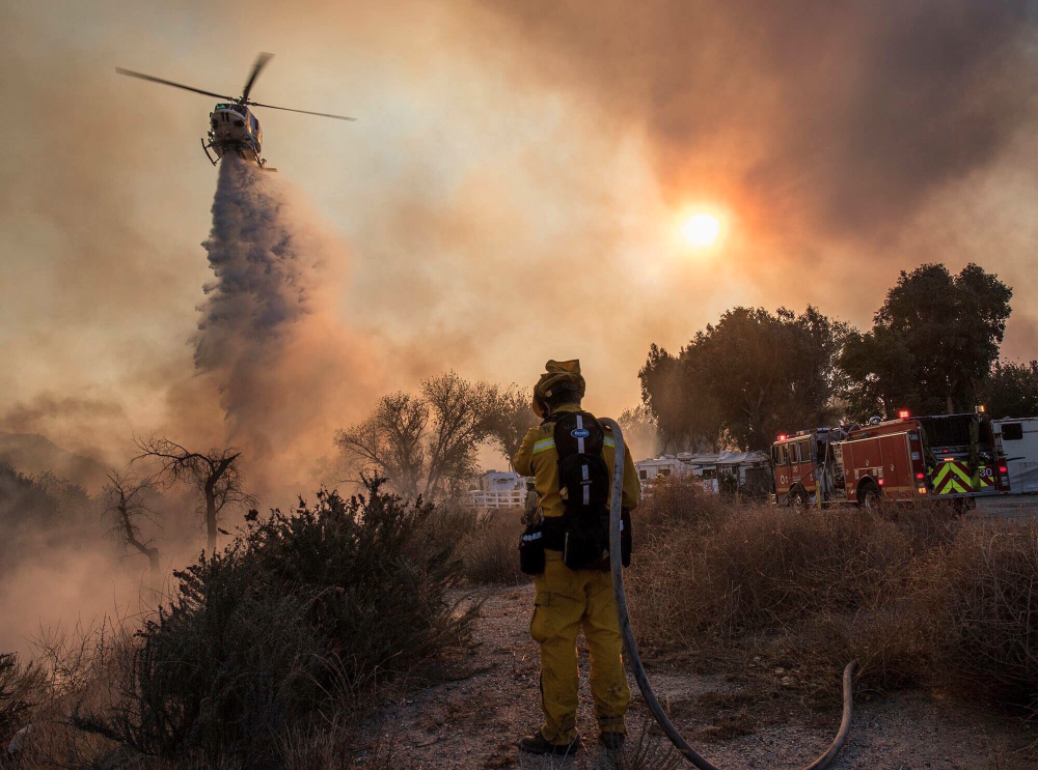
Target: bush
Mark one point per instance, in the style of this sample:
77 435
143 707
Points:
677 502
915 595
302 615
982 597
17 687
490 549
762 568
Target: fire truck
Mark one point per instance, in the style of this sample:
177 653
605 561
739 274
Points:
955 457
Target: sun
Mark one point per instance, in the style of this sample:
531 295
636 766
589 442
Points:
701 229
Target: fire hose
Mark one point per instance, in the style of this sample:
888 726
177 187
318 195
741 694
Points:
824 761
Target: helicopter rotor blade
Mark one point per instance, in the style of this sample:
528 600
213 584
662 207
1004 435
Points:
261 62
305 112
142 76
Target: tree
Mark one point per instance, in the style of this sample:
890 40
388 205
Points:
512 418
424 445
125 508
215 474
877 367
390 443
752 375
1011 390
640 431
678 397
933 342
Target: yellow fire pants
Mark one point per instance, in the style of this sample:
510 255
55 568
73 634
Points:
565 602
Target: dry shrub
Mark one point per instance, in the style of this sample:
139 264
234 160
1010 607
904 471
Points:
676 502
915 595
336 745
19 688
888 644
981 595
304 616
645 751
71 666
763 568
490 549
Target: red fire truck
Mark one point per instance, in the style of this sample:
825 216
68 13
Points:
954 457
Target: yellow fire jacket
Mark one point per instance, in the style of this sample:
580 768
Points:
537 457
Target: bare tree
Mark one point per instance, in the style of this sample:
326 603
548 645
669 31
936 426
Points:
215 474
389 443
425 445
463 414
125 508
513 416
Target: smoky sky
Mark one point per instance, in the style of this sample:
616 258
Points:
269 338
509 194
839 116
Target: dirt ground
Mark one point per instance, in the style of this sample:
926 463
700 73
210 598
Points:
475 722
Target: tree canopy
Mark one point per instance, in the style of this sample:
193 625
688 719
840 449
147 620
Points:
752 375
932 344
1011 390
426 444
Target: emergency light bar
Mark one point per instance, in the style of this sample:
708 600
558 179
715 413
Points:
902 414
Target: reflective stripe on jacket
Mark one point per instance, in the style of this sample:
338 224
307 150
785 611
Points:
537 457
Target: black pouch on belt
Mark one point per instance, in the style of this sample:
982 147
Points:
586 544
531 550
626 538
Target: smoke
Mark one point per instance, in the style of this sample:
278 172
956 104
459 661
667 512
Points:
78 420
827 132
271 336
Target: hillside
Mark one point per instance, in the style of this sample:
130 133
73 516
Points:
33 454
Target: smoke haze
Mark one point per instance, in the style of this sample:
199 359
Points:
286 369
502 149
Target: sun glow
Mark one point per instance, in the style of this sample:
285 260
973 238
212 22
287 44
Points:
701 229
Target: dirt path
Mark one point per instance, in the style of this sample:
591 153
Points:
476 722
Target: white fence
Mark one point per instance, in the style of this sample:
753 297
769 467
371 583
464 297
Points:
512 498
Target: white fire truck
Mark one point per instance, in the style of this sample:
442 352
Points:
953 457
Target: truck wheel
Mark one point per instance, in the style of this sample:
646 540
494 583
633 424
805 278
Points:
870 498
797 498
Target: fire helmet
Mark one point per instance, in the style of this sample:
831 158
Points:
559 376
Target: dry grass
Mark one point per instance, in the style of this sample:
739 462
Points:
490 548
915 595
674 502
760 568
982 598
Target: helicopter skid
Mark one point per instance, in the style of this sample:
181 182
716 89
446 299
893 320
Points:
205 148
243 150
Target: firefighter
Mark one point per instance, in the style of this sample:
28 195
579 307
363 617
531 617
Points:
567 601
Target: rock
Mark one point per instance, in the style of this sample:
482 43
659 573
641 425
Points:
787 681
780 671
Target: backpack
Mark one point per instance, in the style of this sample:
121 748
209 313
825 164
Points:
584 488
582 532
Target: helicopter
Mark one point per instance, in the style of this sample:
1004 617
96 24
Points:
233 127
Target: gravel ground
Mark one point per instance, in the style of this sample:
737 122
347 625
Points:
475 722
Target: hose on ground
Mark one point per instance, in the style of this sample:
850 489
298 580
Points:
635 661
